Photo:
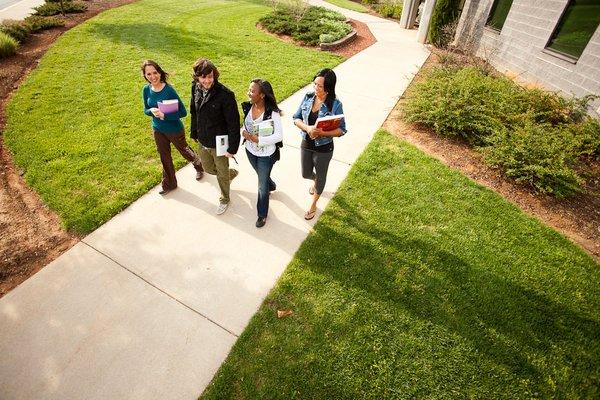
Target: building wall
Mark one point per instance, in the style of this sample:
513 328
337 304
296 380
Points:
519 48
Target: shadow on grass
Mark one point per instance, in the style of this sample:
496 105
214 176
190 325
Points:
502 319
161 38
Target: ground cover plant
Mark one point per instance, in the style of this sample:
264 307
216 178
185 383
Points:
21 30
310 26
389 8
76 126
534 136
349 5
385 8
54 8
418 283
8 45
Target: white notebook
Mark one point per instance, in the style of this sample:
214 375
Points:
222 144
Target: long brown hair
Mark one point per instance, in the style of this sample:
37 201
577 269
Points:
151 63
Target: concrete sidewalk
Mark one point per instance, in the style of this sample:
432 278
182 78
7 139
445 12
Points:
18 9
149 305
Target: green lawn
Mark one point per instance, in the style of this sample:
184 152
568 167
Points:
349 5
418 283
76 125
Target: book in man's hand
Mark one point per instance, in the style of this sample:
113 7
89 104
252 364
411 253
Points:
221 144
168 106
330 122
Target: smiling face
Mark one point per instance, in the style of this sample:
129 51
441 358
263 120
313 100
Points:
254 94
207 81
319 85
152 75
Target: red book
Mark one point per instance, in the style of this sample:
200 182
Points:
330 122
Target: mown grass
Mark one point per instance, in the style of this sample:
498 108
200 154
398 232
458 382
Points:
76 125
418 283
349 5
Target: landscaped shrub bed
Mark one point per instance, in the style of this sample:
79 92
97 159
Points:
534 136
19 31
39 23
8 45
53 8
311 26
389 9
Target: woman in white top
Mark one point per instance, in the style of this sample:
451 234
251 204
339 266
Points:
263 136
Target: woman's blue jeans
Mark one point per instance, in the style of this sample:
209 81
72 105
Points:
263 167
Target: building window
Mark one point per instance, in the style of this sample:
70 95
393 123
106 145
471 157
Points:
498 14
575 27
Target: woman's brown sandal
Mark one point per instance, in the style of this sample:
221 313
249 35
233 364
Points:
309 215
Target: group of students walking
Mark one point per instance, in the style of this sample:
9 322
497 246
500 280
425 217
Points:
214 113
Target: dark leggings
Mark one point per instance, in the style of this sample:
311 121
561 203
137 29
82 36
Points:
314 166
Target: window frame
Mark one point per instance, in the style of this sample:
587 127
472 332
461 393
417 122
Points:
557 53
491 12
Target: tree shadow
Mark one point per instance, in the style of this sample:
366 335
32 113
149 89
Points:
435 285
155 37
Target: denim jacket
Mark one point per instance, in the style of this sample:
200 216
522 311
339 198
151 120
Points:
304 110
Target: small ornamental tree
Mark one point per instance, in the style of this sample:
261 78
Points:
444 13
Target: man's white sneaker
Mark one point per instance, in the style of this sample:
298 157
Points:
222 208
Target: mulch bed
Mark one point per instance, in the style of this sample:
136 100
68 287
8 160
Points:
31 235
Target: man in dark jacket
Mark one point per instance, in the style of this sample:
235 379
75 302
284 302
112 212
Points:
214 113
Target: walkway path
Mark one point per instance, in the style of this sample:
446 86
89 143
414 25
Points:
149 305
17 9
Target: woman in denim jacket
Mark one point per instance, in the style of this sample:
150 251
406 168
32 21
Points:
317 145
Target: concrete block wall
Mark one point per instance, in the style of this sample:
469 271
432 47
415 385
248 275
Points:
519 48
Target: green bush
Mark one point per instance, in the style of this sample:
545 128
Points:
48 9
444 13
540 155
312 25
8 45
38 23
15 29
587 138
536 137
463 102
392 9
548 107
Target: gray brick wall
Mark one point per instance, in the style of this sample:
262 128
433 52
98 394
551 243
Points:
519 48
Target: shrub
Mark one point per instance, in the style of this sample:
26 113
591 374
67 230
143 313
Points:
315 23
540 155
536 137
326 38
463 102
548 107
15 29
390 9
444 13
38 23
8 45
48 9
587 138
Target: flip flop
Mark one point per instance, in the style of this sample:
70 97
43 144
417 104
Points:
311 190
309 215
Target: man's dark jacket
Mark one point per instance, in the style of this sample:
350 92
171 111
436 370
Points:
219 115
